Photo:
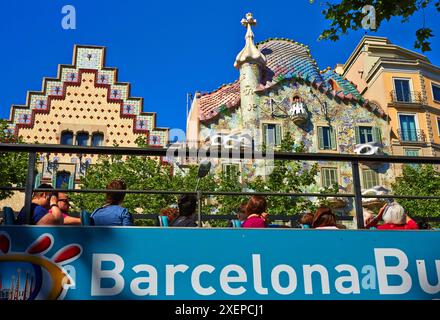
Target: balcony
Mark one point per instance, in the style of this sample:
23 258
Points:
411 135
407 97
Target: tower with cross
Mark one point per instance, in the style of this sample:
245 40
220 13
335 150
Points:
249 61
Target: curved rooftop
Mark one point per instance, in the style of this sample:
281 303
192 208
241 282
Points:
286 59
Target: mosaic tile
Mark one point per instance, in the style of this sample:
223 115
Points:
89 58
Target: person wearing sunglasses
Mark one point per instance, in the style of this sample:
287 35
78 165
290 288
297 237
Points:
64 205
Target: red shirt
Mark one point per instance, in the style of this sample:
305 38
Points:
411 224
254 221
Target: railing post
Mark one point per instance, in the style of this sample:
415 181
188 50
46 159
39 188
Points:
357 194
30 180
199 207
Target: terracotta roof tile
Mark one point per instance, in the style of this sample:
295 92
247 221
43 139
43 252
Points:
285 59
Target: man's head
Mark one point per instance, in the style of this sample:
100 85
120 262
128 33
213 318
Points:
115 198
241 213
187 205
307 219
63 202
394 213
42 198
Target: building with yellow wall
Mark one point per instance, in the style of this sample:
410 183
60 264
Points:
406 85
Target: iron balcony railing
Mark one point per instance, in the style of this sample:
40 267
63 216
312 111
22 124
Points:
406 135
32 150
407 97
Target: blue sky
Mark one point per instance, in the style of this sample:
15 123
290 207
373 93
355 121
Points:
167 48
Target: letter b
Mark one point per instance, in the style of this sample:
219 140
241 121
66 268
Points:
383 271
98 274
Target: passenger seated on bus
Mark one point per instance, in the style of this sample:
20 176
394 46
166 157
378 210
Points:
394 218
306 220
42 202
256 211
170 213
241 216
187 204
368 216
423 224
64 205
324 218
111 213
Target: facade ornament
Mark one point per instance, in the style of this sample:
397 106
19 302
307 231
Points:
250 52
296 110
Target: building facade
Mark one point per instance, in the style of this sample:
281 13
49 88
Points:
281 91
406 86
84 105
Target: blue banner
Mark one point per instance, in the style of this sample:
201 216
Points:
221 264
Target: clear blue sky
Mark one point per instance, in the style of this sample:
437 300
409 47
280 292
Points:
167 48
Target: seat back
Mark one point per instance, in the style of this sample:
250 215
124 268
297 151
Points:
86 220
163 221
236 223
8 216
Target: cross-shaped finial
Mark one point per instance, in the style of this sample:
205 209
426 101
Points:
249 20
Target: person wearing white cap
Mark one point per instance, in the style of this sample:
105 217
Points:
394 217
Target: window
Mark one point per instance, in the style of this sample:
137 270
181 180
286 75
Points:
326 138
438 125
230 169
368 134
329 177
412 153
66 137
97 139
403 92
82 139
436 92
63 180
272 134
408 130
370 178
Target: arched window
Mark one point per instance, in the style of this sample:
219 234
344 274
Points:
82 139
66 137
63 180
97 139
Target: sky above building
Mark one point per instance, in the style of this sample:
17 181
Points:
167 49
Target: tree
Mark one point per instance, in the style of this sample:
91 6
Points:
146 173
419 181
348 14
288 176
139 173
13 165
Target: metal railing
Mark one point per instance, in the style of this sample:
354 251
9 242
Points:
355 160
407 96
406 135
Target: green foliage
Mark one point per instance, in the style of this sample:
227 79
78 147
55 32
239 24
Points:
229 182
419 181
347 15
146 173
13 166
288 176
139 173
